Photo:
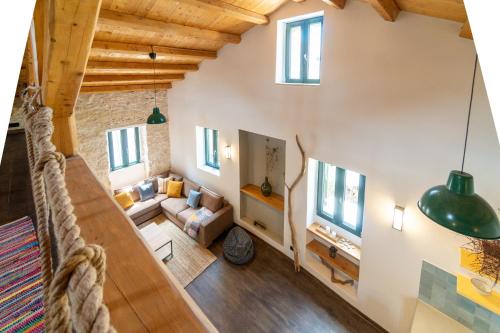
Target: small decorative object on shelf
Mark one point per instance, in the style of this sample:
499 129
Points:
259 224
333 251
266 188
486 263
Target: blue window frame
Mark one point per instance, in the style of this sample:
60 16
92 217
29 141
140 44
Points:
124 148
211 148
341 197
303 42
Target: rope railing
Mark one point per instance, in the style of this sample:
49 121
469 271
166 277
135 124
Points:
73 292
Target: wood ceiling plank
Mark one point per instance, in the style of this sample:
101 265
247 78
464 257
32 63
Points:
466 31
453 10
229 10
388 9
123 88
132 50
339 4
115 67
115 19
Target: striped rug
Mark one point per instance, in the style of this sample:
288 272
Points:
21 306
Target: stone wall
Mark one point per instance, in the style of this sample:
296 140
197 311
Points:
97 113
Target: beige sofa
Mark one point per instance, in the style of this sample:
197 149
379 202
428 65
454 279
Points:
178 211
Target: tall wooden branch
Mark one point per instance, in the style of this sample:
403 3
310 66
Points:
290 221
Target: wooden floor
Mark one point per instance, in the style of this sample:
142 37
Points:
268 296
16 198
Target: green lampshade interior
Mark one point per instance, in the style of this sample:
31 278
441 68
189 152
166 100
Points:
455 206
156 117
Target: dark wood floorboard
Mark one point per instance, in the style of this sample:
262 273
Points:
266 295
16 198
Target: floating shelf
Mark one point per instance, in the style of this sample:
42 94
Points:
353 250
275 201
467 290
339 262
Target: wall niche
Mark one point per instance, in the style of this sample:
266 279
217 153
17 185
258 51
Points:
260 157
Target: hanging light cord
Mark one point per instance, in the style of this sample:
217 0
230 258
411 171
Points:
153 56
468 116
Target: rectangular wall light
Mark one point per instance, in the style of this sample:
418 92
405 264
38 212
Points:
397 221
227 152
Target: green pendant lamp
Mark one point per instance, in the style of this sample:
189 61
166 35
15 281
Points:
156 117
455 205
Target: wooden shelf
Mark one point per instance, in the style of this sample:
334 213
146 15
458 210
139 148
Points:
275 201
354 251
278 239
339 262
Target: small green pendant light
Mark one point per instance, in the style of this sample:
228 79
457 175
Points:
156 117
455 205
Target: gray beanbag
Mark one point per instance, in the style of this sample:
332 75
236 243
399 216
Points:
238 246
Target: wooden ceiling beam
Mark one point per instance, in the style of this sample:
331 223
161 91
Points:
68 30
388 9
97 80
339 4
134 50
229 10
124 88
466 31
126 21
119 68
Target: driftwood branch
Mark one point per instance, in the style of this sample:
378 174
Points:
290 221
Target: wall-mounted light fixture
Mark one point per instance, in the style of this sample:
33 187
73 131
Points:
397 221
227 152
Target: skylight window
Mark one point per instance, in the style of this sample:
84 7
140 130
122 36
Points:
299 49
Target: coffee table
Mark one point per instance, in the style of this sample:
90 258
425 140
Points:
159 241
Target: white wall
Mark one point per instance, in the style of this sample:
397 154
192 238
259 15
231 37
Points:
392 105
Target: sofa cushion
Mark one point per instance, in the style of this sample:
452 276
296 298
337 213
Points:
188 186
146 191
193 200
142 207
124 199
176 176
211 200
163 184
132 190
185 214
173 206
160 197
174 189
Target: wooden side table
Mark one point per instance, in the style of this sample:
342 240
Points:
159 241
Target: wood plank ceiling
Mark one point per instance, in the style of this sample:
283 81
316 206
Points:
185 32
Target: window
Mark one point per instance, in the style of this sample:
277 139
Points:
211 148
124 148
340 197
303 50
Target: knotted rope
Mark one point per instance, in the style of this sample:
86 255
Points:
73 294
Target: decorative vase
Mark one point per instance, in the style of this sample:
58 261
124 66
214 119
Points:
266 188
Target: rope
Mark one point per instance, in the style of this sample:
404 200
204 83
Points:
73 294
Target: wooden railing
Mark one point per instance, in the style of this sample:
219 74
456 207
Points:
140 292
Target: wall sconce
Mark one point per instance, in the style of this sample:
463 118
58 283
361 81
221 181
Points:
227 152
397 221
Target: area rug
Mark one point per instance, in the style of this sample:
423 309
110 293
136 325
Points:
190 259
21 305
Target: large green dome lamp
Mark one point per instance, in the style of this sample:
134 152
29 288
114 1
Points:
156 117
455 205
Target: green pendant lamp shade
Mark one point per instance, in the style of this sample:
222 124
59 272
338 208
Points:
455 205
156 117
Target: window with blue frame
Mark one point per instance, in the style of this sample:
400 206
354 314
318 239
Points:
341 197
303 41
124 148
211 148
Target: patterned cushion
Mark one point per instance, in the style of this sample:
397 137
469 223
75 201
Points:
194 199
146 191
163 184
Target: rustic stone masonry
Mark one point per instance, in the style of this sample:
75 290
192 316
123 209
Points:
97 113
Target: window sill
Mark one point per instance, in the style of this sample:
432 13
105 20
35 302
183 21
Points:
340 231
213 171
296 84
